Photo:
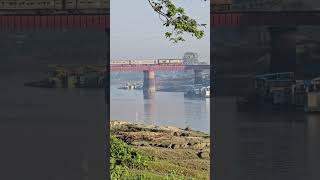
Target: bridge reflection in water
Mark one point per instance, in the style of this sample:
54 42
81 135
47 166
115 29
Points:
149 109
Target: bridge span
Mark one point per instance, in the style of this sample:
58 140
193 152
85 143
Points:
157 67
149 81
282 26
53 22
17 20
264 18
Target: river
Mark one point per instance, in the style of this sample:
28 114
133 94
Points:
51 130
36 122
265 146
166 109
50 133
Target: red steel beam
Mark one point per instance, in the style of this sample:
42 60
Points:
53 22
265 18
102 21
158 67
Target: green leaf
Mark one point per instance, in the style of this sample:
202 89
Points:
178 20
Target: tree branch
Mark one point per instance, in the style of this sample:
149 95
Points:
176 17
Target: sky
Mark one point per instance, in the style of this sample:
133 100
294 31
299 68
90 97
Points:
137 32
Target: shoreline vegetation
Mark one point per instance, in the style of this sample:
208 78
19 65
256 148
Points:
72 76
152 152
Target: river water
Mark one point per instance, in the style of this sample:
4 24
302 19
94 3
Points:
52 130
265 146
166 108
52 134
256 146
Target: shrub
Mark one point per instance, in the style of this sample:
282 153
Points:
123 157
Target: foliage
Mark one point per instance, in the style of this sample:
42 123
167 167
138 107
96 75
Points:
173 176
177 18
123 157
129 163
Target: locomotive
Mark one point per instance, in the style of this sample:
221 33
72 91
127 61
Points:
148 62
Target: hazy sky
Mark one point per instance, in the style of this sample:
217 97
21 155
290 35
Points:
137 32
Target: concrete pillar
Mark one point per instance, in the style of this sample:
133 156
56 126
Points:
198 77
149 84
283 49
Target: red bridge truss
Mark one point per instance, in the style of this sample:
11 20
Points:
265 18
57 22
158 67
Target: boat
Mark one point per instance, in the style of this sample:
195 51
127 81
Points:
281 92
200 92
205 91
132 86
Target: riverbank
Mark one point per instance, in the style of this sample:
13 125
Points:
166 152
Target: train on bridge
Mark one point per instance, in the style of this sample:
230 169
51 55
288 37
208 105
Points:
148 62
35 6
154 62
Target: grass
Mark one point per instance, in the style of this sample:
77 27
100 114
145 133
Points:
124 157
139 163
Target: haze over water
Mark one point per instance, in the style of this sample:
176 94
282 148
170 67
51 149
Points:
166 109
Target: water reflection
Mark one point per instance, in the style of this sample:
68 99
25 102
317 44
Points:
196 112
149 94
313 146
43 121
269 150
268 146
165 108
149 110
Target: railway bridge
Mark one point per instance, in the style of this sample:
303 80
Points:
149 81
282 27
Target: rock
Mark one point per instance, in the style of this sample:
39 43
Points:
114 124
188 129
182 145
200 145
185 134
161 145
204 154
173 146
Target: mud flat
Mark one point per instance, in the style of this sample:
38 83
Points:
183 151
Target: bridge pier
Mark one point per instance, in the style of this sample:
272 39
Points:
149 83
198 76
283 49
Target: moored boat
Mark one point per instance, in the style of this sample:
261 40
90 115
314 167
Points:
200 92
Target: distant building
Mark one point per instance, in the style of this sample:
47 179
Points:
190 58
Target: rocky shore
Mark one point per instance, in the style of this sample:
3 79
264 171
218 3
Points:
184 151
